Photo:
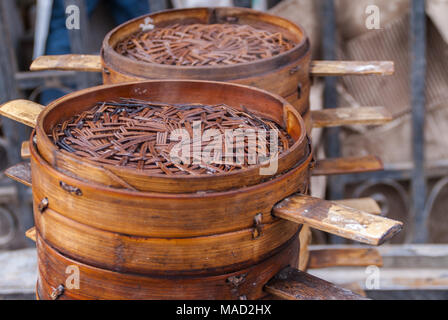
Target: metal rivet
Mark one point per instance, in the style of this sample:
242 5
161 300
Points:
294 70
57 292
43 205
70 189
257 226
237 280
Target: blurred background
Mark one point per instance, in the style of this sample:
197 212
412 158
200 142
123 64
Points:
414 146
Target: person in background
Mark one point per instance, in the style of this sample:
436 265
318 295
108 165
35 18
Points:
58 41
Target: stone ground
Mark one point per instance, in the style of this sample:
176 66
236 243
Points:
18 272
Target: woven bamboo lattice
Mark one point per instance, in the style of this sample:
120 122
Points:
137 134
203 45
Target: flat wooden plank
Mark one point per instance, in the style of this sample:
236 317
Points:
21 173
22 111
347 68
337 219
68 62
364 204
31 234
347 165
292 284
25 150
350 116
349 257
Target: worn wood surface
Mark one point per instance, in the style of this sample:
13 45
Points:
350 116
21 173
96 283
22 111
163 215
292 284
350 257
255 100
68 62
337 219
364 204
25 150
347 68
347 165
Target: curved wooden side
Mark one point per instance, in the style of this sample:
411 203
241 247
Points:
215 254
292 82
95 283
162 215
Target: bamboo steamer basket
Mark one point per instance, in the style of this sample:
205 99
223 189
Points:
164 233
171 91
286 74
119 233
96 283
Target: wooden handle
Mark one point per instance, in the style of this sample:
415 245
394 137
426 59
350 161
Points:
347 165
350 116
23 111
337 219
25 152
21 173
31 234
68 62
348 68
292 284
346 257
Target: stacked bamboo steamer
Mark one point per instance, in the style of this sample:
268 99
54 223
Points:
151 241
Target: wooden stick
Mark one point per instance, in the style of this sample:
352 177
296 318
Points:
364 204
25 150
292 284
337 219
349 257
68 62
21 173
347 68
31 234
347 165
22 111
350 116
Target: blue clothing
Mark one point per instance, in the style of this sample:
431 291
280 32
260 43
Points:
58 41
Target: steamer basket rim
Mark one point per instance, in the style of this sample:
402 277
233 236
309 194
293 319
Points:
117 60
287 107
